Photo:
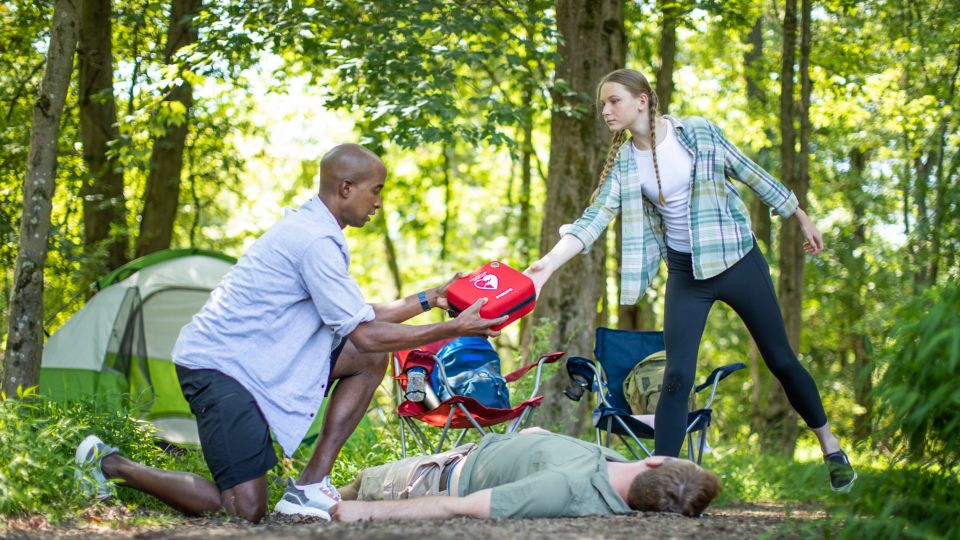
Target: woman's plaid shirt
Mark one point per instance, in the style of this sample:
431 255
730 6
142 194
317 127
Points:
718 219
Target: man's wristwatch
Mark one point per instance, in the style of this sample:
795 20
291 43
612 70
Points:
422 296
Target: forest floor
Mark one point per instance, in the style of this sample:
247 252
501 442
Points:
734 522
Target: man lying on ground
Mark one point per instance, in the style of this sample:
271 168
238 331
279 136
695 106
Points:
533 473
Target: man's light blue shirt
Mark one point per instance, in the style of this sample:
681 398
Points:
273 321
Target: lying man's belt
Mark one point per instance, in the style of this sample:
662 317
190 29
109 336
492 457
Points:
447 471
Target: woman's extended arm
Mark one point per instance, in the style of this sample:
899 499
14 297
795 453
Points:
582 233
541 270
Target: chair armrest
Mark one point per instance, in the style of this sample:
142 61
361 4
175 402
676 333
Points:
578 365
720 374
544 358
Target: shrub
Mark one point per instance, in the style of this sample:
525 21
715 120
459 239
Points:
903 502
918 394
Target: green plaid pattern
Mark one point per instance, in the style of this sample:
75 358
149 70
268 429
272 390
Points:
719 221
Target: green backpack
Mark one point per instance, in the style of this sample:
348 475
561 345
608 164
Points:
642 386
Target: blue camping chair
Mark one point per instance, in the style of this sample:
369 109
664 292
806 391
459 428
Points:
617 352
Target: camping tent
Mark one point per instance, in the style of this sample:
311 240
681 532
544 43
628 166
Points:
117 347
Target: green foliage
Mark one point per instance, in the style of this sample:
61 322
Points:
425 72
918 393
902 503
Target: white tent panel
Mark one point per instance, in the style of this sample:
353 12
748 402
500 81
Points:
82 341
193 271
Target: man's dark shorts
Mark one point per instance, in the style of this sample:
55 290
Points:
234 435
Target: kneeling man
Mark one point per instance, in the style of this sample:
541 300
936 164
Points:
533 473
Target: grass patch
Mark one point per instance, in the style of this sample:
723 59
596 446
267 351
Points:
887 501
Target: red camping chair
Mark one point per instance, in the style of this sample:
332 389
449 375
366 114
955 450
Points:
457 412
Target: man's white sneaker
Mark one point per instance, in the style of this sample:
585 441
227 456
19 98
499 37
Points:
310 500
89 473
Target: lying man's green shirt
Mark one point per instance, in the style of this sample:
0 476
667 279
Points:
542 475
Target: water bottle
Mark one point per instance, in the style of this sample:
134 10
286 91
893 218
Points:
430 399
415 383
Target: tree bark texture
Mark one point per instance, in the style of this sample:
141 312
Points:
162 192
756 100
593 44
21 364
104 205
668 53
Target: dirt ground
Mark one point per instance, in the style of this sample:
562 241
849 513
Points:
772 521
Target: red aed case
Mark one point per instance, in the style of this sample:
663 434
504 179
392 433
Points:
508 292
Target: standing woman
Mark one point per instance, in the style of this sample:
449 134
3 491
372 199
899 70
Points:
671 181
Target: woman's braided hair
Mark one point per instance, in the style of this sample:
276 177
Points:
637 85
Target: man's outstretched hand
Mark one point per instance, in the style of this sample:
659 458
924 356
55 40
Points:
350 511
470 323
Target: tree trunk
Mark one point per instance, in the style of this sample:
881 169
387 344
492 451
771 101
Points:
780 432
526 176
21 363
756 100
593 44
668 53
392 263
162 193
448 151
862 372
104 205
920 242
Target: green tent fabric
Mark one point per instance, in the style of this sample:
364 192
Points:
117 347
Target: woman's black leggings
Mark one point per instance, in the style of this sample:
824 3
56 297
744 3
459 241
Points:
747 288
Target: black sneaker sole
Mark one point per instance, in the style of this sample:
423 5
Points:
846 487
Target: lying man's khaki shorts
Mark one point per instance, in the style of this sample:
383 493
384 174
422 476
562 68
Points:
408 478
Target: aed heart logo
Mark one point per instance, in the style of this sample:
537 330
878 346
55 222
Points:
487 282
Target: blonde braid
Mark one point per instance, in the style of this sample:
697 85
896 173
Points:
615 144
653 144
